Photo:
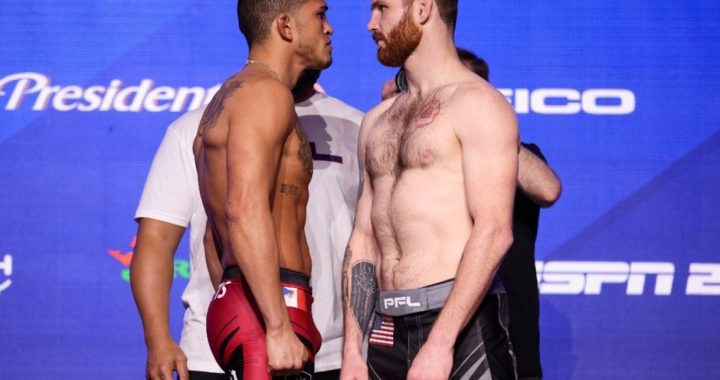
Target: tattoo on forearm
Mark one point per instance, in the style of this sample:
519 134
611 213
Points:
289 189
364 293
360 304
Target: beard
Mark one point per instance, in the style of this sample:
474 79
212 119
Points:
402 41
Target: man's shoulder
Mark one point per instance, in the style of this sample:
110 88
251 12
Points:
242 91
476 90
376 112
478 97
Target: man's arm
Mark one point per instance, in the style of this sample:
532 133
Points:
151 277
536 179
487 131
359 280
254 146
166 207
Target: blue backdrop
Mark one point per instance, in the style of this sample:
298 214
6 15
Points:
622 97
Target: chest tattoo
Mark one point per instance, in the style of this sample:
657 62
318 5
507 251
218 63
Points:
403 139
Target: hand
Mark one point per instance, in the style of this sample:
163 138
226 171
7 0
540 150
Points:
353 368
431 363
286 354
389 89
165 358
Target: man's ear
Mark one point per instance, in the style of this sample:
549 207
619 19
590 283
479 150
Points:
285 25
423 8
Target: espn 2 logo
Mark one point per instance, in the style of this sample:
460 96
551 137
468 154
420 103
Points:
590 277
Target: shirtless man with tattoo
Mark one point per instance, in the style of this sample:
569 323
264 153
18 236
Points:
434 219
254 166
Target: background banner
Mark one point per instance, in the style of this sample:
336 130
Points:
621 96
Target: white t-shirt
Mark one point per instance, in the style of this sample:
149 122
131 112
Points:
332 127
171 195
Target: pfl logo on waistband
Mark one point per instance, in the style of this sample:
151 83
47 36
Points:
6 269
399 301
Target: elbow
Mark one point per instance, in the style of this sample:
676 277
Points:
237 211
503 240
497 241
233 211
550 194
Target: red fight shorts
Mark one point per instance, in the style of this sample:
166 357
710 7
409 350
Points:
235 327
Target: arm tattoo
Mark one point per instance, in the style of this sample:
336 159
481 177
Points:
217 105
361 302
289 189
364 293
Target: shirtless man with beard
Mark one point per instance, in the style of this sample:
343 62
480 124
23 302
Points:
254 166
434 219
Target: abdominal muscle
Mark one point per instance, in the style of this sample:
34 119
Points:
422 225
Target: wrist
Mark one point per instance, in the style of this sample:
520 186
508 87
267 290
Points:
443 341
276 328
352 353
158 338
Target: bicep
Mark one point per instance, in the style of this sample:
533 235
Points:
158 237
255 143
489 143
363 211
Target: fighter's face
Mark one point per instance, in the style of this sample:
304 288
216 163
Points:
394 47
314 32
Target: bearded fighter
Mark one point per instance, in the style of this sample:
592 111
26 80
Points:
434 219
254 166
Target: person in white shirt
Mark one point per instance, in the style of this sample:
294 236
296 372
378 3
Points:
171 201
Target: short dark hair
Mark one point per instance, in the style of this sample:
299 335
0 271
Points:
448 10
477 64
255 16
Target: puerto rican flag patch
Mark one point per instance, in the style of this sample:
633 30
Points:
382 331
291 296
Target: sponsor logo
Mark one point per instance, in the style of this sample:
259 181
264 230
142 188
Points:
399 301
37 92
569 101
222 290
182 267
592 277
6 269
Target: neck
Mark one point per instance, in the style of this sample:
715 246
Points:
434 63
278 61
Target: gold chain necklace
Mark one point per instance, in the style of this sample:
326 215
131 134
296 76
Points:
264 66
